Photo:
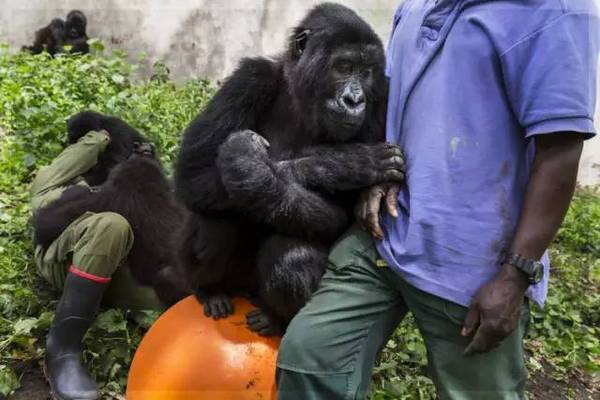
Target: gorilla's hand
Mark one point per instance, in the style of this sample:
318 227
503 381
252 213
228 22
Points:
346 167
368 207
264 324
244 164
379 162
216 306
144 149
247 144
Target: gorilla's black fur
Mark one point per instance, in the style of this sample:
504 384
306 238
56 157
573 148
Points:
123 137
58 33
75 32
138 190
268 166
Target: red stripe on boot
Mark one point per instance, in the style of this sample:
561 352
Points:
74 270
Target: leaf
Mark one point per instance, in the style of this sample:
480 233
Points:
29 160
8 381
145 318
111 321
96 45
25 326
119 79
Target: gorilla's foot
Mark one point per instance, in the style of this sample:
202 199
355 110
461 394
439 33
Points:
216 306
264 324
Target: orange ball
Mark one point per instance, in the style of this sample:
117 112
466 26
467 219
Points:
187 356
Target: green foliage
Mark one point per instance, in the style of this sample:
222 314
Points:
566 333
37 95
581 230
8 381
401 371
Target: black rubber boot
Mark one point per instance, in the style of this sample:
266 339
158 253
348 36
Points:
69 378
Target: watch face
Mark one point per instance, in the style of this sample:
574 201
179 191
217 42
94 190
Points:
538 272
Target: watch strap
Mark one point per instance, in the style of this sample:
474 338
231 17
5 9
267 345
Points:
531 268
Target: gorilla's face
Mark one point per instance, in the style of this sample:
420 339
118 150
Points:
352 74
334 68
76 24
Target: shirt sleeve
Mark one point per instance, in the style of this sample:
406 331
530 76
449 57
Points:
389 59
75 160
550 75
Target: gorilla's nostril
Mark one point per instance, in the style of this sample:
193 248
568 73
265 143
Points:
354 100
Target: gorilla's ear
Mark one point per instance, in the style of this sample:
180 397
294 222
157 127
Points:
299 41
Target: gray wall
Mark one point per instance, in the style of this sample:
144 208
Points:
195 37
202 37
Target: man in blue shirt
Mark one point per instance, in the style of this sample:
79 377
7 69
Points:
491 102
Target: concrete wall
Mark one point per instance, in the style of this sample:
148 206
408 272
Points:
202 37
195 37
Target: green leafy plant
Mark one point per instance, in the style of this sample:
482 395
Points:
37 95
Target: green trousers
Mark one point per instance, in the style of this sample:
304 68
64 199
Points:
95 246
331 346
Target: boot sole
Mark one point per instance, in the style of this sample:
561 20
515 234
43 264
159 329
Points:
54 397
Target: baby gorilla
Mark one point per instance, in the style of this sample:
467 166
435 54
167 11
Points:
123 136
138 190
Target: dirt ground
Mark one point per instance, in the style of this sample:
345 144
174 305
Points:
33 382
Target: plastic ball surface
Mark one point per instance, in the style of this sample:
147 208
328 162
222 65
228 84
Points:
187 356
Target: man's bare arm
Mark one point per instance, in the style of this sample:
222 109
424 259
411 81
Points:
495 310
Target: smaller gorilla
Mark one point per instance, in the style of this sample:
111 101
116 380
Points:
75 33
138 190
59 33
119 149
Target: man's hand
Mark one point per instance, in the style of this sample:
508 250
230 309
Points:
495 311
369 204
105 133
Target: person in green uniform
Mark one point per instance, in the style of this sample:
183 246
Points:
86 262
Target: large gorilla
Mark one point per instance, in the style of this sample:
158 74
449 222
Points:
137 189
58 33
268 166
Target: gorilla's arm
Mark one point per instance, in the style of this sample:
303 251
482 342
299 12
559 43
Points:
345 167
238 105
79 45
257 189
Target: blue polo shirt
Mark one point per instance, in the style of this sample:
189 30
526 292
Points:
471 83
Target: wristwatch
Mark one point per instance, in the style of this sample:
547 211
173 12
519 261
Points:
533 269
